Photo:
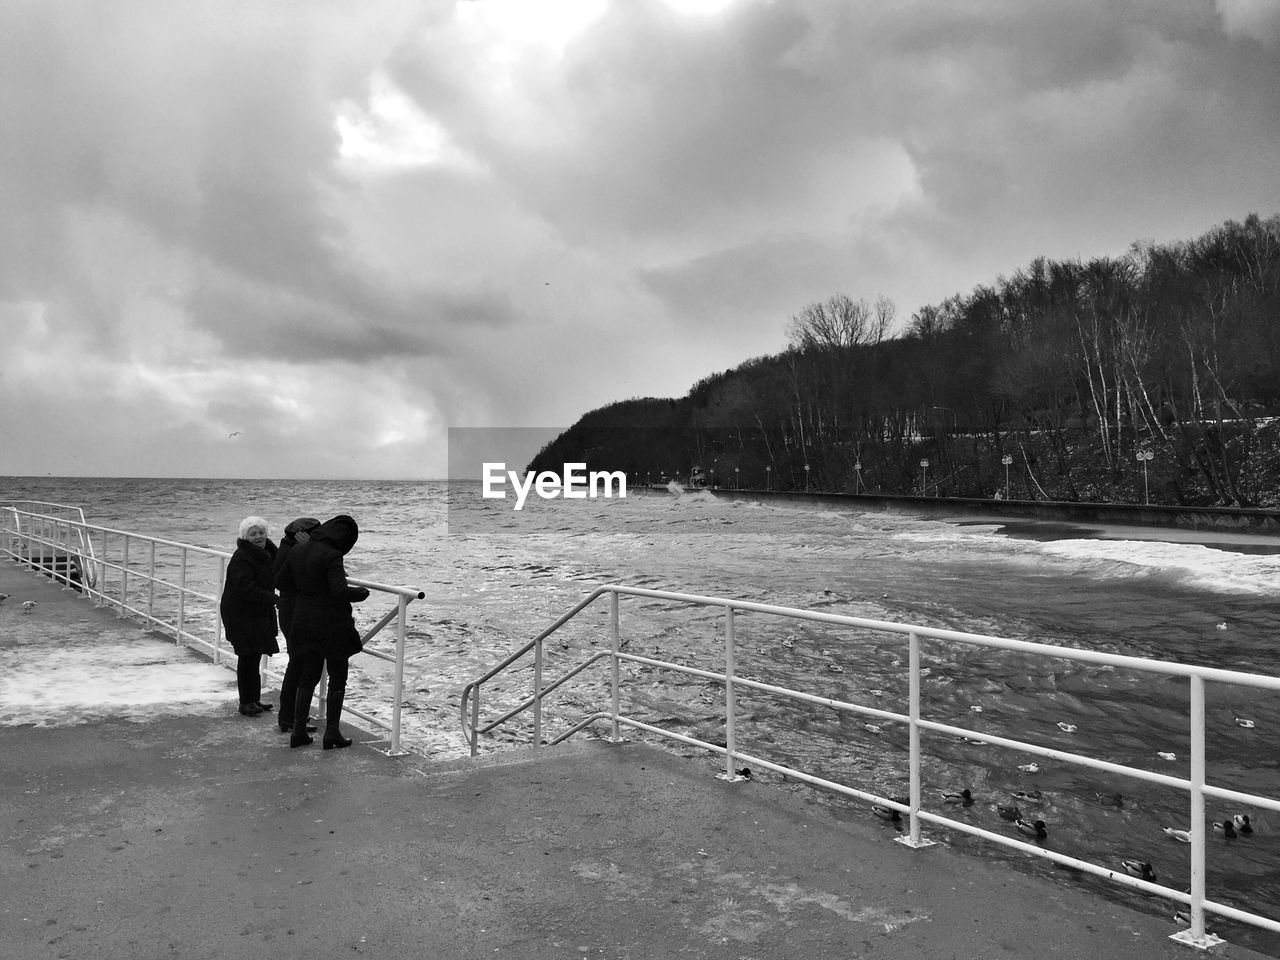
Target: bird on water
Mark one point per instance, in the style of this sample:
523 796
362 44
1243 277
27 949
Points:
1034 828
1140 869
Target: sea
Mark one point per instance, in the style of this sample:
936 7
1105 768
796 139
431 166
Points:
494 578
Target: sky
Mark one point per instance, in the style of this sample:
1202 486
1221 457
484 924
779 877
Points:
306 238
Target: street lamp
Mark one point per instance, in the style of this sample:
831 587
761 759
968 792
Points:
1144 457
857 477
806 478
1006 460
767 471
924 473
735 478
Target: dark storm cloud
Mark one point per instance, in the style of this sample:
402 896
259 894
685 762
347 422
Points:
205 211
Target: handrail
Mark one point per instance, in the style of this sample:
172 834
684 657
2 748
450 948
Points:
1195 784
85 557
193 604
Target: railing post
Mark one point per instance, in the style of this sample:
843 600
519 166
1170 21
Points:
151 585
322 704
124 600
102 572
616 699
217 617
182 597
730 698
475 719
1196 935
394 747
537 694
124 577
64 535
913 838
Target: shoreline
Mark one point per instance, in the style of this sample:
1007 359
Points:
1255 524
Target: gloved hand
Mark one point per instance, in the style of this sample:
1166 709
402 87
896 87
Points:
357 594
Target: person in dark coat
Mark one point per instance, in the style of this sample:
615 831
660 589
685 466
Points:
323 631
299 531
248 609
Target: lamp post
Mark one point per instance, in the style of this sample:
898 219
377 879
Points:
1006 460
767 472
857 477
806 478
1144 457
735 478
924 475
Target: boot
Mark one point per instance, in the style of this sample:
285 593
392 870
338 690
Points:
288 694
332 731
300 707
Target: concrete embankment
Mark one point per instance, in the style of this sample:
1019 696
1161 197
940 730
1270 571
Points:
1220 519
197 833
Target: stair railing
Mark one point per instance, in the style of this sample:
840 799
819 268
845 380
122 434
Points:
1195 784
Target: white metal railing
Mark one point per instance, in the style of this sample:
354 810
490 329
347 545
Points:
77 557
135 574
1194 784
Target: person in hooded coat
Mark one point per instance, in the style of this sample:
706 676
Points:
323 631
299 531
248 609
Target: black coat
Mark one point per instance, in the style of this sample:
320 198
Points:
248 604
322 621
287 543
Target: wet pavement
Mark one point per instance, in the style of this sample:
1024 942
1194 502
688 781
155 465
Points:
188 831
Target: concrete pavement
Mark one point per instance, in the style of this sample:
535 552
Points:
186 833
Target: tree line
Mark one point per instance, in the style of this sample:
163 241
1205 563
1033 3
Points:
1151 375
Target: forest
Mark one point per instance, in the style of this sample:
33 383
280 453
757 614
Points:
1151 377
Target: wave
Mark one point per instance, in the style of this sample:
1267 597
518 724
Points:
1183 564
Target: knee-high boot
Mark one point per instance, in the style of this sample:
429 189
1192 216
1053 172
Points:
333 714
301 705
289 698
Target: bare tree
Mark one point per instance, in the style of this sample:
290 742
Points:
840 322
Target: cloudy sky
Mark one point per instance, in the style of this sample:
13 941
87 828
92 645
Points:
305 238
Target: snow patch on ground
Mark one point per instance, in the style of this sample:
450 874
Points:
138 679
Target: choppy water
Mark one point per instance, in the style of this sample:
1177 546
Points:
494 580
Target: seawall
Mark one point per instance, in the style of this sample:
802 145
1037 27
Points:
1224 519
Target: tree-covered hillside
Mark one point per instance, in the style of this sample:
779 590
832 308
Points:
1057 381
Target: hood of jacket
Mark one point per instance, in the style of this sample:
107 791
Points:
340 533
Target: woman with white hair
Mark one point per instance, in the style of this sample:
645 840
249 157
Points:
248 610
